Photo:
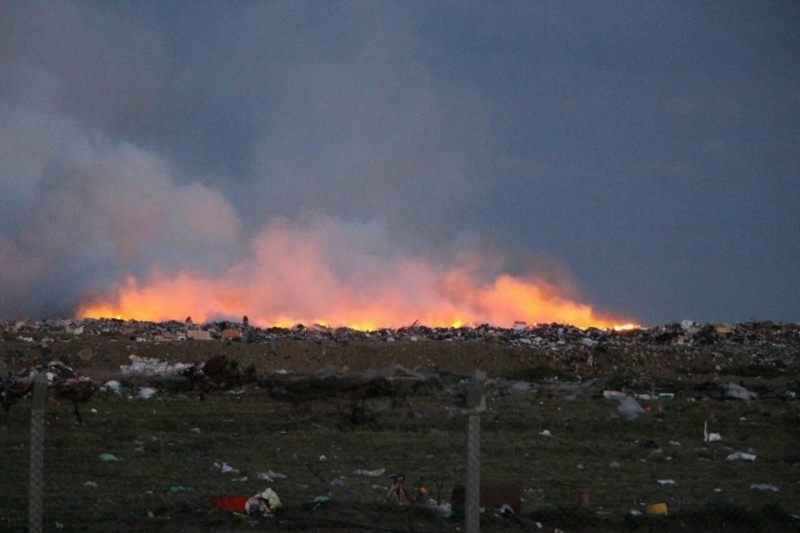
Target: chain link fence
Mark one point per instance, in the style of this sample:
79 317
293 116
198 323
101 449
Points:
145 463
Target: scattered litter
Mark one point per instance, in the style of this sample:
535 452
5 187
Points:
522 387
266 501
175 489
742 456
614 464
321 499
270 476
92 484
150 366
370 473
225 468
146 393
613 395
658 509
338 482
112 386
666 482
710 437
546 433
634 512
738 392
109 457
230 503
322 458
629 408
674 443
764 486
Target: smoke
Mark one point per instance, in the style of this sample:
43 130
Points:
313 168
80 210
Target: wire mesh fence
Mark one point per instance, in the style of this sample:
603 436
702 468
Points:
147 464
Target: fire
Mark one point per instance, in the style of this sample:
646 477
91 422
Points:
320 273
626 327
454 300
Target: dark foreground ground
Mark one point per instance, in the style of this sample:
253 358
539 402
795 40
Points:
325 423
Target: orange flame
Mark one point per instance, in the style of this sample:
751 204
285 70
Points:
457 300
314 276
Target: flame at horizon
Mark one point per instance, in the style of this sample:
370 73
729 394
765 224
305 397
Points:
324 272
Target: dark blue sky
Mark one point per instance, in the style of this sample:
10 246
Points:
644 154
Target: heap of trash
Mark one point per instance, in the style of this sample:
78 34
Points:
761 339
687 333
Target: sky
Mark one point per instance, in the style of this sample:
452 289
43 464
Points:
323 160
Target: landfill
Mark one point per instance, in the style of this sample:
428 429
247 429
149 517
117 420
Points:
613 369
764 343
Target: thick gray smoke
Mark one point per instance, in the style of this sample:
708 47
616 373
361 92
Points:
651 150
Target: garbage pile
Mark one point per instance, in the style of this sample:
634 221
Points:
62 383
553 336
767 343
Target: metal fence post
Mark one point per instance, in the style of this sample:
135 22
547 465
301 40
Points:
476 402
36 490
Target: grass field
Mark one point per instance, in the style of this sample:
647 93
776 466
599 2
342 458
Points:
171 449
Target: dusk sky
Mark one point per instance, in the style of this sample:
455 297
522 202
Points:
641 157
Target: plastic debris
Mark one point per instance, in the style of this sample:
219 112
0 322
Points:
225 468
764 486
666 482
370 473
150 366
112 386
92 484
266 501
109 457
545 433
146 393
738 392
174 489
629 408
741 456
230 503
710 437
657 509
270 476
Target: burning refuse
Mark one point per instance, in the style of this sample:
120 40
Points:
313 274
452 300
